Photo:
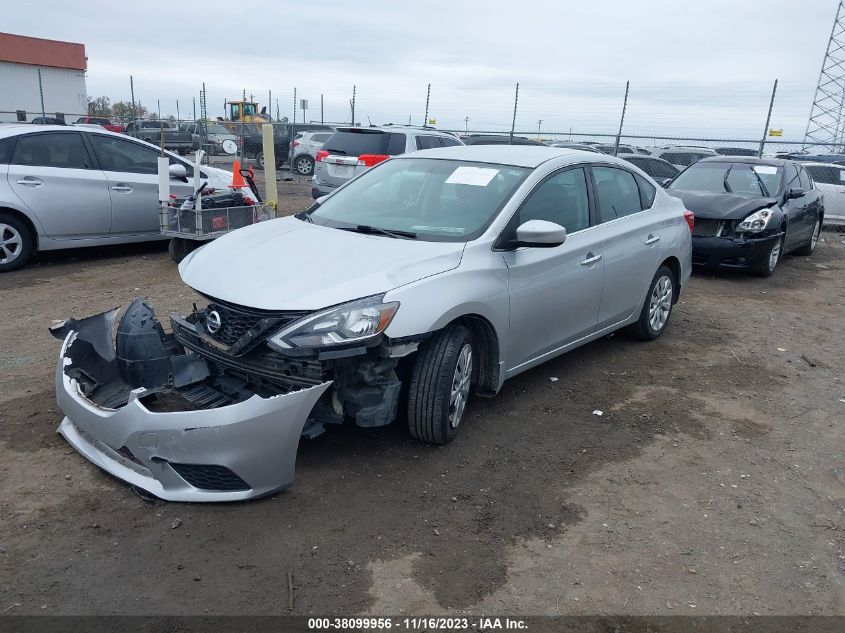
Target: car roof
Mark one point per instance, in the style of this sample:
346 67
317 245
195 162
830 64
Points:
750 160
392 128
645 157
819 164
517 155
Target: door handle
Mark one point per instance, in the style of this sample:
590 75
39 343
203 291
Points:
652 239
30 181
122 188
591 259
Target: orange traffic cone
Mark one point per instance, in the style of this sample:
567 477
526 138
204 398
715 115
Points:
237 179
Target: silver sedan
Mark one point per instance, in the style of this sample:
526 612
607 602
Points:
427 279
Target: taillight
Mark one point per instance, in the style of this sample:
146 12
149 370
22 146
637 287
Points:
689 216
320 155
372 159
296 143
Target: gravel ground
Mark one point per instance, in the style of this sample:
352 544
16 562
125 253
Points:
712 483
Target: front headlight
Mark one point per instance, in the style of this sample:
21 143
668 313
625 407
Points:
757 221
354 322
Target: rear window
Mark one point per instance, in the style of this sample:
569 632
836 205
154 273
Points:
99 121
365 142
655 168
826 175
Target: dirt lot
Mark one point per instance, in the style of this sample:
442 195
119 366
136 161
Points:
713 483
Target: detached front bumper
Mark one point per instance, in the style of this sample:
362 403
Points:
227 453
736 253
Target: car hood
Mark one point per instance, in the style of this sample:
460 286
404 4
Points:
720 206
288 264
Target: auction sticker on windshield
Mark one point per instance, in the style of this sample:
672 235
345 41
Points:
765 169
477 176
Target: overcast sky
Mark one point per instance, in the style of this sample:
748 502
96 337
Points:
695 66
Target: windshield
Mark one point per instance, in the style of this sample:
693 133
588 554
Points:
437 200
215 128
741 179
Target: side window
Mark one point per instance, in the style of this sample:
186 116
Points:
428 142
561 199
448 141
792 181
647 192
804 179
617 193
396 143
115 154
6 146
52 150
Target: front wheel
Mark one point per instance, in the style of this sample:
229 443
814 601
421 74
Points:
808 248
767 267
657 308
179 248
440 385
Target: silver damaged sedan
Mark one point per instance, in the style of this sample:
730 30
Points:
446 271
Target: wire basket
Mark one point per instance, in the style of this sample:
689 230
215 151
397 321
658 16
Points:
211 223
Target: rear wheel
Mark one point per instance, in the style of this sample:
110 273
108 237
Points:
259 160
304 165
179 248
767 267
16 243
808 248
440 384
657 307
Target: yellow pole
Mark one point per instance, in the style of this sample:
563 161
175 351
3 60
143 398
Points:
270 191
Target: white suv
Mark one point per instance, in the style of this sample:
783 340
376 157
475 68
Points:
303 150
352 150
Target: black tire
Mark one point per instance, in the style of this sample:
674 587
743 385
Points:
259 160
179 248
303 165
431 384
16 242
808 248
646 327
766 268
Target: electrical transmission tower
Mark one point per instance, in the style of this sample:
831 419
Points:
825 126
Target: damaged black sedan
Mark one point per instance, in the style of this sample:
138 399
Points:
749 212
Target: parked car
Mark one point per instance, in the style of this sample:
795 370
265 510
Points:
830 180
215 133
48 120
736 151
282 137
303 150
439 274
608 148
353 150
73 186
152 132
682 157
836 159
662 171
101 120
749 212
497 139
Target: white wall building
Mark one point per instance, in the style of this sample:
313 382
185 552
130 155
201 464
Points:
62 66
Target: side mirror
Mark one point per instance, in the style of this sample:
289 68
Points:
178 171
793 193
540 234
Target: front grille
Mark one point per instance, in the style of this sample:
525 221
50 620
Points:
706 228
210 477
240 328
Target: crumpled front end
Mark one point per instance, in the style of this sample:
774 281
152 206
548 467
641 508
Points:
169 421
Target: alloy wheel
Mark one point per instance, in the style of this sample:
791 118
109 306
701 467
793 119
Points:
774 256
817 229
11 243
660 303
303 166
460 386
